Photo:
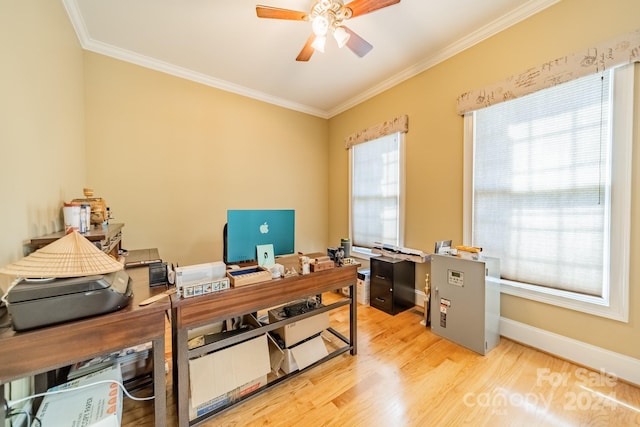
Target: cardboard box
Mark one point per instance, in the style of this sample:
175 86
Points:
223 371
322 265
218 331
299 330
227 398
304 354
276 356
248 276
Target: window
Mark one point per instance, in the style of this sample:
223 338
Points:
548 179
377 191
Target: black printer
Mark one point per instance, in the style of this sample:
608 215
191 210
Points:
40 303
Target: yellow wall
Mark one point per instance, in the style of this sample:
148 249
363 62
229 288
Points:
171 156
435 147
42 146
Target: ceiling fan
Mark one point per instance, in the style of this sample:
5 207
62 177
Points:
328 16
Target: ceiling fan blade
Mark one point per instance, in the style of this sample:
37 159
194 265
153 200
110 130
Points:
357 44
307 50
360 7
277 13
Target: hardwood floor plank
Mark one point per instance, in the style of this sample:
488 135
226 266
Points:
404 375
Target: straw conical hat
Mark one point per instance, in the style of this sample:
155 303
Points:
70 256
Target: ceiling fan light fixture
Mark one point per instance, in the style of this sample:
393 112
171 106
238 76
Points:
341 36
329 16
318 43
320 25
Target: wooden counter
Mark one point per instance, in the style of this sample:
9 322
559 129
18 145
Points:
29 353
188 313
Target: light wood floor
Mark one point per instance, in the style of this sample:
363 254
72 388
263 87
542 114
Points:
404 375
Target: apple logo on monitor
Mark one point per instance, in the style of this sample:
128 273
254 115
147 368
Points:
264 228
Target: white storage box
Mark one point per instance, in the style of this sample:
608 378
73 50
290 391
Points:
299 330
201 279
303 355
363 287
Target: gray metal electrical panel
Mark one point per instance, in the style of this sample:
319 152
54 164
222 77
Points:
465 301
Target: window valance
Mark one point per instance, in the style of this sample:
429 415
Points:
397 124
621 50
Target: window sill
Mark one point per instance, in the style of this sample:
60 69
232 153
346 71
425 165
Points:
362 253
596 306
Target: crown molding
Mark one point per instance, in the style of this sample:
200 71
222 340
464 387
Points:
506 21
520 14
89 44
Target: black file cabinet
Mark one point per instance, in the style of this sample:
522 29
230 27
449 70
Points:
392 285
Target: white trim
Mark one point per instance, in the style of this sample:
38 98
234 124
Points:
402 193
174 70
419 298
622 166
520 14
615 303
92 45
467 178
624 367
363 252
525 11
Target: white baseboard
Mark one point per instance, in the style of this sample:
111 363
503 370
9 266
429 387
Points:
623 367
419 298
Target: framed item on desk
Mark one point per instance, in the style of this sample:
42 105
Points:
265 255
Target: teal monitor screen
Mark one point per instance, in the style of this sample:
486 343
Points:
248 228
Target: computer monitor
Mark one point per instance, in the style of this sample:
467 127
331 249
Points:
248 228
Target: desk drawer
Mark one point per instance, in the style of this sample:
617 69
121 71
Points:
381 295
381 271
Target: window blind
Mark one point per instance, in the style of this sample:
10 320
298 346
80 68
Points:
375 192
541 185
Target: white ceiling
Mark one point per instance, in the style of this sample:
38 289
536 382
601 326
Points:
222 43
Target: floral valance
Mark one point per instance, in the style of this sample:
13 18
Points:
397 124
622 50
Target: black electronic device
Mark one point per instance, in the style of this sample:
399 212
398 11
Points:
158 274
34 304
141 257
298 308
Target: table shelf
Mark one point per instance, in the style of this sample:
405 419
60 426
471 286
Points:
195 312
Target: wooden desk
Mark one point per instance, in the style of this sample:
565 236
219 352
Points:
197 311
29 353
